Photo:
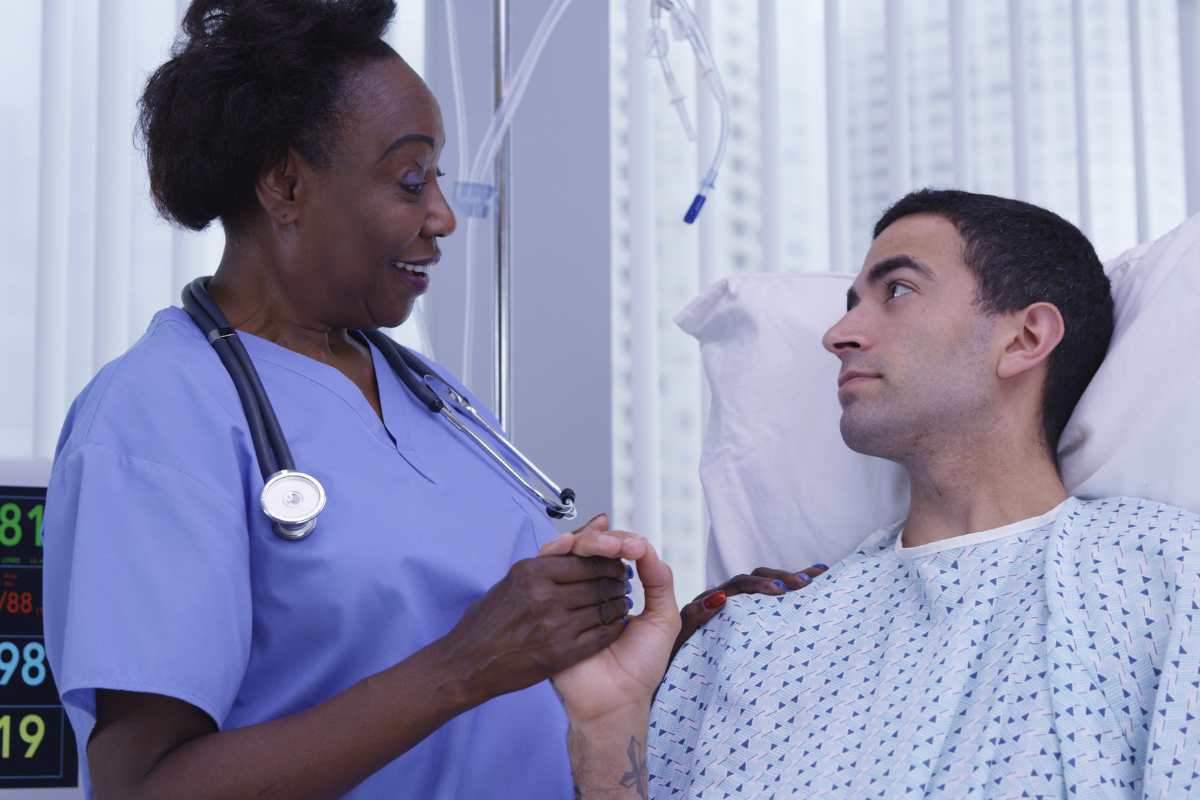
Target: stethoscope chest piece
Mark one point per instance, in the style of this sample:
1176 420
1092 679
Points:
292 500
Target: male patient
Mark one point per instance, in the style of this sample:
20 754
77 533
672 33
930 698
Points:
1005 640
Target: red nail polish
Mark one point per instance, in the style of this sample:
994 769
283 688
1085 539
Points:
714 601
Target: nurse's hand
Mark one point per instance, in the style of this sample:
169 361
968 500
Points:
763 580
545 615
619 681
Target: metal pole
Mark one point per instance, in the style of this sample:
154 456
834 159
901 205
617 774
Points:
706 142
960 98
502 395
706 257
1189 65
768 106
900 149
834 131
1081 119
1019 71
1140 166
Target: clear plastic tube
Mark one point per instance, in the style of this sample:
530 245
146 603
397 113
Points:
514 92
460 100
687 26
658 48
489 146
462 146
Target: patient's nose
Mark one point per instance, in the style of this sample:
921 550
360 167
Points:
844 336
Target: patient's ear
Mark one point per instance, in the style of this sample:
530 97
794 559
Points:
1036 331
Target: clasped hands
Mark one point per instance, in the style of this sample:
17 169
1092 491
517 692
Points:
622 678
628 671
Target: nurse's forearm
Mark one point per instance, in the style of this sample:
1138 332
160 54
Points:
321 752
608 758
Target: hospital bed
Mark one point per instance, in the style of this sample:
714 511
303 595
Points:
781 487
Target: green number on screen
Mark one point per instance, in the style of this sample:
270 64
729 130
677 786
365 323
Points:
32 730
36 513
10 524
32 738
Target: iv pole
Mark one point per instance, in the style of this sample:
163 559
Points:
502 341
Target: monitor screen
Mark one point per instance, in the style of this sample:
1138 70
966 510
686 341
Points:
37 746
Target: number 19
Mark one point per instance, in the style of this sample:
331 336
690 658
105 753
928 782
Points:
32 730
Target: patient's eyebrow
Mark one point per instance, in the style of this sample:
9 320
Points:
886 267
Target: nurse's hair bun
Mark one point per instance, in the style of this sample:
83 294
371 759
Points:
248 79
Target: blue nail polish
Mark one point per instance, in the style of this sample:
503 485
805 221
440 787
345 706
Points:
628 572
628 603
628 587
803 577
820 566
624 620
780 585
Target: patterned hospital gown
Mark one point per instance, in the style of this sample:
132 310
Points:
1055 657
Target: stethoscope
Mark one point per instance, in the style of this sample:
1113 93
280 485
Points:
293 499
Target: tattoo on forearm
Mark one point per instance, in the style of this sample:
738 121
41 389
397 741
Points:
595 779
637 777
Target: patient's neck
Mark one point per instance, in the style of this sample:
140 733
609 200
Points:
976 486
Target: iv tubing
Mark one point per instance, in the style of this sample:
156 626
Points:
489 146
685 20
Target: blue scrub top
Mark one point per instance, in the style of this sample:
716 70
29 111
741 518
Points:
163 575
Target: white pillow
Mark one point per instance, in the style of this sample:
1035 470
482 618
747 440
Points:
1136 430
782 488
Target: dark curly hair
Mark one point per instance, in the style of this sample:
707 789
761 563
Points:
247 80
1022 254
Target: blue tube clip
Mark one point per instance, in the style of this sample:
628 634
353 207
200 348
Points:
694 209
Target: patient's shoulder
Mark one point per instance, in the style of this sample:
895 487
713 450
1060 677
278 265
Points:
1125 522
1113 538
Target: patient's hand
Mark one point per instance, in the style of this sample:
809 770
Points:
761 581
619 681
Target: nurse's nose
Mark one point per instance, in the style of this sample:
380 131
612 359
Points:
439 219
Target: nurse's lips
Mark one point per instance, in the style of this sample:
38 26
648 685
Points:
416 270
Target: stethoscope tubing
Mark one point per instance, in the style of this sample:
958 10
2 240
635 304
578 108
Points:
271 448
409 366
260 432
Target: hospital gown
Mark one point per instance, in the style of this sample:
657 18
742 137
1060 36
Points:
1055 657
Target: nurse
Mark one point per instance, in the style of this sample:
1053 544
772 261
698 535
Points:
402 649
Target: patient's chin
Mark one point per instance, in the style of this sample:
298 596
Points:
871 437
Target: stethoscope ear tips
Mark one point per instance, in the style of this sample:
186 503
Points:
292 500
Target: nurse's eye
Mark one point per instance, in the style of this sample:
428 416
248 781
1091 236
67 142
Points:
894 290
413 181
414 186
415 189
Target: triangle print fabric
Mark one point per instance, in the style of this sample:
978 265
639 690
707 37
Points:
1051 658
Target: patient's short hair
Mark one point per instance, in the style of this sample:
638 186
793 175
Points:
1022 254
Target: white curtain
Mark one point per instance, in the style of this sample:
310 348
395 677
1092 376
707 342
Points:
838 108
86 260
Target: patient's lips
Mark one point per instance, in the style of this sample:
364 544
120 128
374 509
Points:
852 377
